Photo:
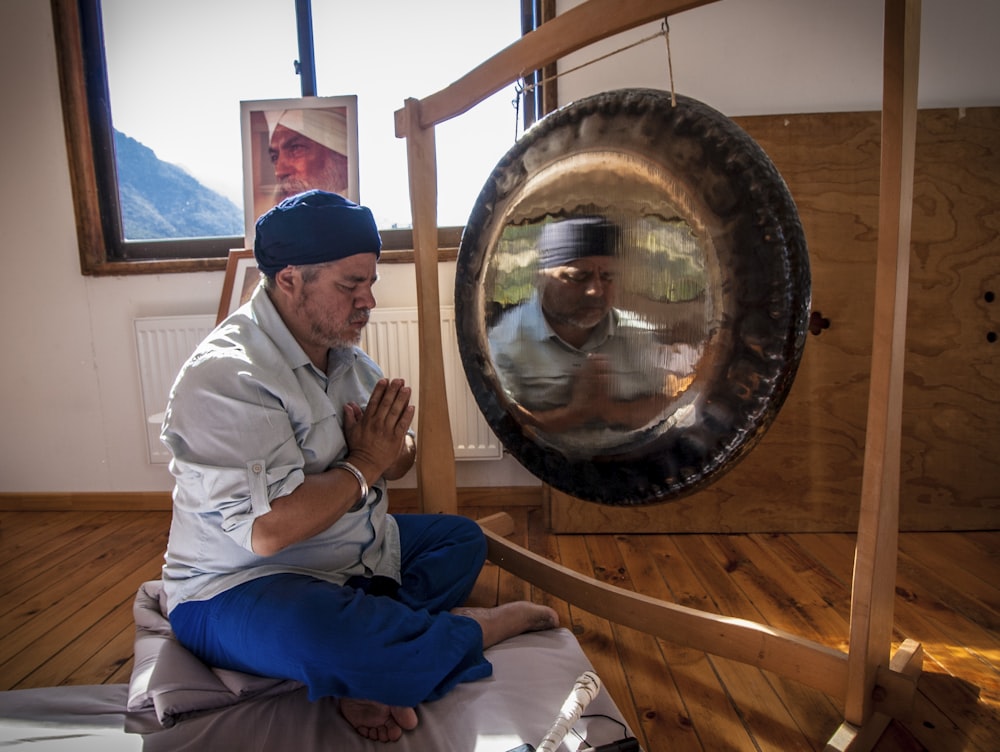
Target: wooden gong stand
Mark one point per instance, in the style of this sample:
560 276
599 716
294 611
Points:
872 685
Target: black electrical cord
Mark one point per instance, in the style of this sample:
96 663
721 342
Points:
625 744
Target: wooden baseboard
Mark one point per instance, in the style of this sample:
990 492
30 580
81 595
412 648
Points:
152 501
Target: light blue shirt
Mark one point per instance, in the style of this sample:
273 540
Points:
537 368
249 417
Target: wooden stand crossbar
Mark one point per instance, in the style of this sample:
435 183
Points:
872 686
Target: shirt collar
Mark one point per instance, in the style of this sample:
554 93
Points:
262 311
541 329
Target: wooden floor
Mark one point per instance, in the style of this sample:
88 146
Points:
67 581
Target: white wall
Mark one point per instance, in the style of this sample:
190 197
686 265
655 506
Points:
70 409
766 57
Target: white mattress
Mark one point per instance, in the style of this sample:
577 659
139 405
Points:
533 674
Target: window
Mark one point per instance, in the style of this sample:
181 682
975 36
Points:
160 83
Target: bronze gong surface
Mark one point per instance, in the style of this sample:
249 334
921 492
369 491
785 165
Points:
632 297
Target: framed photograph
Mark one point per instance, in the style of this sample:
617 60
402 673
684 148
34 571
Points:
242 277
293 145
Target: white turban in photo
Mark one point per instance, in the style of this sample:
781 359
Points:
326 127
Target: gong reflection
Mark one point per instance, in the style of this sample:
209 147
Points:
596 325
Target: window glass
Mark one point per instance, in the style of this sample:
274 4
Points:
178 70
391 50
176 74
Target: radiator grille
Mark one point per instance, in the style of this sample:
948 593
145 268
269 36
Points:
391 338
163 344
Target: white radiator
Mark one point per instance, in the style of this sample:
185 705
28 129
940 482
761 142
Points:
162 345
391 338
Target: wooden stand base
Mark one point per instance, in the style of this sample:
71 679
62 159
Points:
907 663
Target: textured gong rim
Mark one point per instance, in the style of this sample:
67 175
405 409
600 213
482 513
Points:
749 225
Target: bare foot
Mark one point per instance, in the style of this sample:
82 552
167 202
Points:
510 619
378 722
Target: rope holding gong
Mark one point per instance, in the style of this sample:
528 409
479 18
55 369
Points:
523 87
670 65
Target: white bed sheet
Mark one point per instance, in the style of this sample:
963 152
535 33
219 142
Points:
533 674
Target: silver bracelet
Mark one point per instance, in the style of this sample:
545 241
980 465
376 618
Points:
344 465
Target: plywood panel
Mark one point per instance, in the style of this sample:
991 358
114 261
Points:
806 473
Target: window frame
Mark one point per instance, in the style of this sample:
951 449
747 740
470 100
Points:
93 172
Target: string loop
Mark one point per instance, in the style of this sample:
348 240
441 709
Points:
670 66
523 86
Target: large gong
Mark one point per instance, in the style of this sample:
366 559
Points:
632 297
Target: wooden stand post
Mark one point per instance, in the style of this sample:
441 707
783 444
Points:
872 688
874 584
436 487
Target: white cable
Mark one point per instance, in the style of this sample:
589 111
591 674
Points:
584 691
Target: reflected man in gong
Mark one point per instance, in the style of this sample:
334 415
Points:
567 357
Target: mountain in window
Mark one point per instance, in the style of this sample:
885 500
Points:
162 201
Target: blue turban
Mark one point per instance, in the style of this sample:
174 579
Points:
564 241
312 228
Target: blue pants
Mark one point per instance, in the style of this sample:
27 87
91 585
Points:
345 641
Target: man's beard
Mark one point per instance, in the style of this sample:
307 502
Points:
331 178
585 318
342 336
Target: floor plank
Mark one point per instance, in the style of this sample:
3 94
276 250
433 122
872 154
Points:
596 635
958 574
67 581
53 549
762 705
701 716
